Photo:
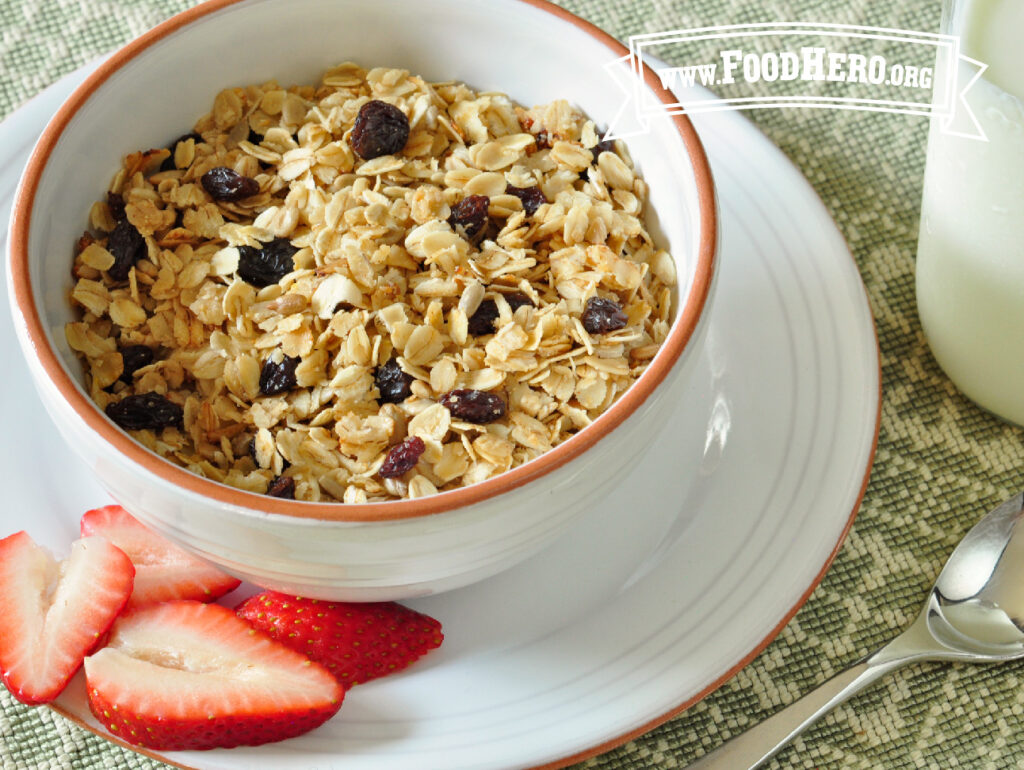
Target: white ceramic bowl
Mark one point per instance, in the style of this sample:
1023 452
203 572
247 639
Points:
156 87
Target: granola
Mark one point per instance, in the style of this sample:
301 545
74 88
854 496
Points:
315 313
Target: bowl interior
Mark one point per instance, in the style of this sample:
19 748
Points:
167 80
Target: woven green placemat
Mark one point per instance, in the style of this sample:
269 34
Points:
941 462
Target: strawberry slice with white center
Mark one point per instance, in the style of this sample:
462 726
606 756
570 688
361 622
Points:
186 675
163 571
52 614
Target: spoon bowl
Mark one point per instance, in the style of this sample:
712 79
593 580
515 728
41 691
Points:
978 604
974 613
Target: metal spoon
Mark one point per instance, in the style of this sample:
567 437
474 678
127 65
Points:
975 613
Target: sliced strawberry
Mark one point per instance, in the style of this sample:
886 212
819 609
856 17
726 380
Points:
187 675
163 571
52 614
356 642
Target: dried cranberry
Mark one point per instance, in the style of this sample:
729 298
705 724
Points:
482 321
226 184
602 315
402 457
128 247
168 164
267 265
283 487
532 197
278 377
470 214
474 406
115 202
380 129
134 357
392 383
145 410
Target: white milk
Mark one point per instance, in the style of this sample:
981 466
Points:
970 258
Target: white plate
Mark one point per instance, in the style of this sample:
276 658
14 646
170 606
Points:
651 601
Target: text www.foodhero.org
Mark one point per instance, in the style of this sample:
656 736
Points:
810 64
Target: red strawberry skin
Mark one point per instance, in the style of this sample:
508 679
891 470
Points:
185 675
163 571
52 615
356 642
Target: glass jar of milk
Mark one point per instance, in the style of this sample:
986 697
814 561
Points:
970 254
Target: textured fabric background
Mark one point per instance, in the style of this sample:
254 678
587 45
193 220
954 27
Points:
941 462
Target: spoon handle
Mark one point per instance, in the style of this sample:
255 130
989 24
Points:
761 742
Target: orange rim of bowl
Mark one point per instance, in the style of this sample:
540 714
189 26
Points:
680 334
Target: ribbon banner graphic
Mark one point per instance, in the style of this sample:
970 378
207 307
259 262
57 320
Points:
796 64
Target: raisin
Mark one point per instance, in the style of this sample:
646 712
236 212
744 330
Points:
225 184
128 247
134 357
402 457
470 214
474 406
392 382
602 315
267 265
608 145
380 129
145 410
532 197
517 300
283 487
116 205
482 321
278 377
168 164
